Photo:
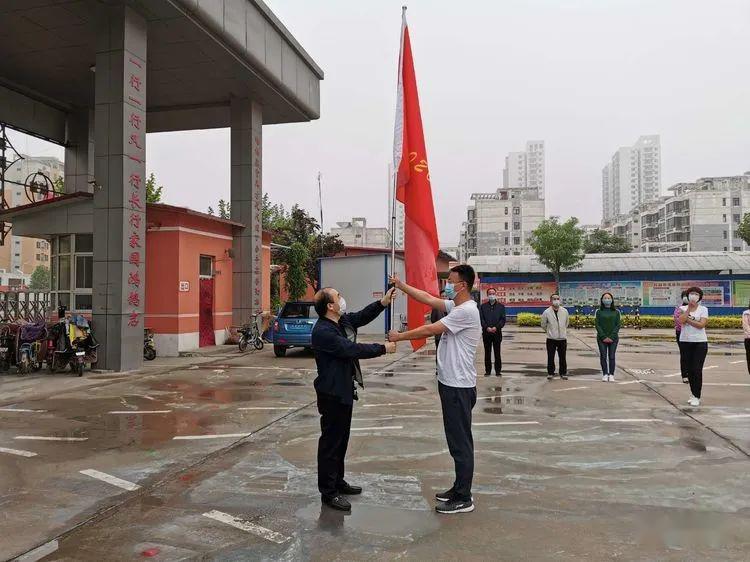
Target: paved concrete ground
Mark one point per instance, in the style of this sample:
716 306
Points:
224 467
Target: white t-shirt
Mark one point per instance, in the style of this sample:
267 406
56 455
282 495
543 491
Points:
691 333
455 360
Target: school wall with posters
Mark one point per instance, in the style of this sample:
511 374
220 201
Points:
651 281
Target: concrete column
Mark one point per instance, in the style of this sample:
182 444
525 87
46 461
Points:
79 151
120 203
246 121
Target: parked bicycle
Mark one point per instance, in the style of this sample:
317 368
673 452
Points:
250 335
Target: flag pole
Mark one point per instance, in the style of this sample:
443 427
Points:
320 203
393 181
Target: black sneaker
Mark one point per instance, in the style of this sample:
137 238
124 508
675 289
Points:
685 380
487 374
338 502
348 489
564 377
455 506
550 376
498 374
445 496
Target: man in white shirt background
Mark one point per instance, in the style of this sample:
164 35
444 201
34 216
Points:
460 331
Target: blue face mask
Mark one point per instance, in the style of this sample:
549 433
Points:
450 291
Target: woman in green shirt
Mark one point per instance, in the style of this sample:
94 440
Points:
607 335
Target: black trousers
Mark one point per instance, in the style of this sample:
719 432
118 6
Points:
335 424
457 404
561 347
492 345
683 361
747 354
695 355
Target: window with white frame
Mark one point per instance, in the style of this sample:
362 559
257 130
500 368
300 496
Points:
72 272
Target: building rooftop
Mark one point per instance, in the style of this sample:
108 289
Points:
737 262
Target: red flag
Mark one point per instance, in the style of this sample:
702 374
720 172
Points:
413 187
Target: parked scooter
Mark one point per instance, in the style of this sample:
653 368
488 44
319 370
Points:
7 348
30 353
149 346
71 343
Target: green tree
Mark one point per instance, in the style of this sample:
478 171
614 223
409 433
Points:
274 217
153 192
224 208
558 245
743 231
58 185
40 279
296 281
602 242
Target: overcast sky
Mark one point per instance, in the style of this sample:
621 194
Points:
586 76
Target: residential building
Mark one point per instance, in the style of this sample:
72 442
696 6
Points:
500 223
21 253
697 216
357 233
631 177
526 169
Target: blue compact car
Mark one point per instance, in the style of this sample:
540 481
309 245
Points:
293 327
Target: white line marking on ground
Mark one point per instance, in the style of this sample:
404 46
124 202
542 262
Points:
632 382
673 375
217 436
711 367
39 552
705 383
126 412
629 420
46 438
735 362
23 410
238 523
17 452
572 388
391 404
267 408
729 416
508 423
377 428
109 479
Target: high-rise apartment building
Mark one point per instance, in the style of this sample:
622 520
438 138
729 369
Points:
500 223
632 177
526 169
698 216
357 233
20 253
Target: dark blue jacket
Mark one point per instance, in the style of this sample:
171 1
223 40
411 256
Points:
337 354
492 316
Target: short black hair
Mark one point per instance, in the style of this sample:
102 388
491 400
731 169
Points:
554 295
683 294
322 300
696 290
466 273
491 289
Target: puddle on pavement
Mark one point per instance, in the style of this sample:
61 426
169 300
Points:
694 443
391 386
390 522
198 392
288 383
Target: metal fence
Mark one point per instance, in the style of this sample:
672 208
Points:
24 306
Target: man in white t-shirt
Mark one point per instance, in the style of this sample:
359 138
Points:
460 331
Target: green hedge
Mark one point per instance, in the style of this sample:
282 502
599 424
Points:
646 321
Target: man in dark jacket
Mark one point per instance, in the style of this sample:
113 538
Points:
492 315
337 356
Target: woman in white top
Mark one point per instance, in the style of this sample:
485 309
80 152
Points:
694 317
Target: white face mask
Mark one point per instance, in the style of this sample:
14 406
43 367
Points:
694 297
342 305
556 302
492 298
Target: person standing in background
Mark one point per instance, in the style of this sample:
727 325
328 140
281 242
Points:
694 317
492 316
607 321
677 330
555 323
746 330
